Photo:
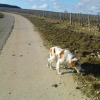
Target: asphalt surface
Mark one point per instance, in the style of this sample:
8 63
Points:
6 26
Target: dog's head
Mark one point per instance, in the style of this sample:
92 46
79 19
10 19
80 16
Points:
76 64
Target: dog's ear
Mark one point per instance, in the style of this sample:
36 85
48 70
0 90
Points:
74 63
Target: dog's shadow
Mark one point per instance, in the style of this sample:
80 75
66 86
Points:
88 68
66 70
91 69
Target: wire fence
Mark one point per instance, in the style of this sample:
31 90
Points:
82 19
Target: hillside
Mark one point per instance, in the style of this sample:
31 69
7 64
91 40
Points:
9 6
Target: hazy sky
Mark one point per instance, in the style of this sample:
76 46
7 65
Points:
76 6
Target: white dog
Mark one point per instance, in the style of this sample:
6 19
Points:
63 56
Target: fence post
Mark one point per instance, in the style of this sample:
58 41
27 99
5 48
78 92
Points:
52 15
39 14
67 17
75 17
71 18
89 21
80 19
43 14
98 21
49 15
60 16
98 26
27 12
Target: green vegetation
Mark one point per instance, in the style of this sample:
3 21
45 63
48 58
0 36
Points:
1 15
84 45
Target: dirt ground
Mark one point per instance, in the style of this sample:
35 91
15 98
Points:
24 74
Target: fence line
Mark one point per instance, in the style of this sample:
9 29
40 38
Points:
71 17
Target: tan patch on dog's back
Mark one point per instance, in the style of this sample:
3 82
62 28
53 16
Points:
51 51
61 53
54 51
74 63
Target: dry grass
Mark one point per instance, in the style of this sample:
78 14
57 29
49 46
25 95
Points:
79 40
1 15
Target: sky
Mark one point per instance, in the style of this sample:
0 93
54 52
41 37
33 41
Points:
74 6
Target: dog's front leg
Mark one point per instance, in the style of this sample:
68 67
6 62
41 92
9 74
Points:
58 67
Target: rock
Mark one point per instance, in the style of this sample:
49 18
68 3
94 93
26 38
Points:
97 52
98 92
92 54
76 51
97 97
13 55
69 93
98 56
21 55
90 85
54 85
76 87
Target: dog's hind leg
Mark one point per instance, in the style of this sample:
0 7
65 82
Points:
58 67
50 62
48 65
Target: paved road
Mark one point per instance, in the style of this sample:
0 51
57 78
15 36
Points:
23 71
6 25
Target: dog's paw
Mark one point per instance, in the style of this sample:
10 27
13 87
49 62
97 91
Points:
47 65
50 67
59 73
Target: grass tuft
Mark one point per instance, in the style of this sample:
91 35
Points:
1 15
